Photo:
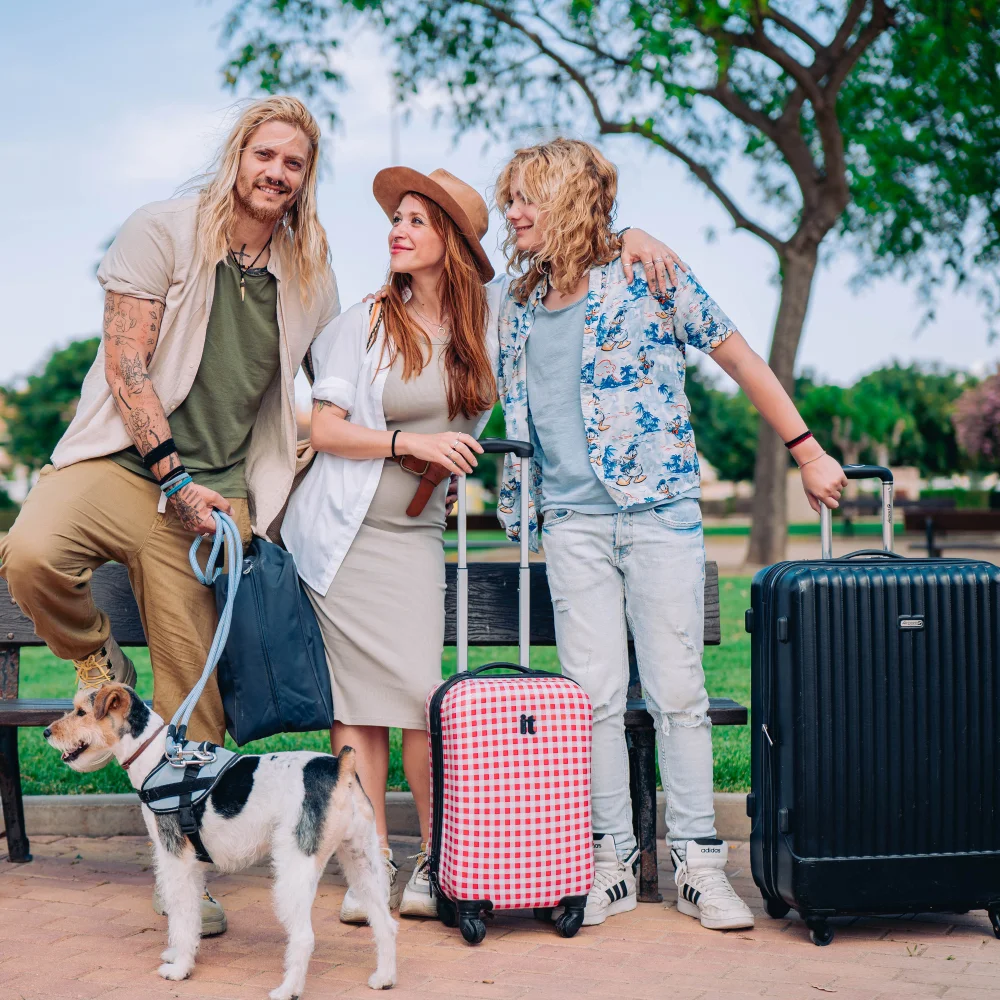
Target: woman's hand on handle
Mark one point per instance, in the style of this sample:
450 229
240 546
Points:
823 480
456 452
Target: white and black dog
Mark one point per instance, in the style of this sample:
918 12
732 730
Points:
298 807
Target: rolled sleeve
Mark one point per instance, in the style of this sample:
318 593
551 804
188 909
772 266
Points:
698 320
335 390
140 260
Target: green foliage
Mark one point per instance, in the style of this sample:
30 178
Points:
38 411
725 426
928 395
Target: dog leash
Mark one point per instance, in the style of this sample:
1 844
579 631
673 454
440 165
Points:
227 537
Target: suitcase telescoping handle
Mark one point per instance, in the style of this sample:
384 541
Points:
860 472
523 450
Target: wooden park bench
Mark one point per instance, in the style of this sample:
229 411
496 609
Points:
493 607
979 528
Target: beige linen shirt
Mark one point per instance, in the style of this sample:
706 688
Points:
153 257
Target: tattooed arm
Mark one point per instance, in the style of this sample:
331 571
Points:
131 330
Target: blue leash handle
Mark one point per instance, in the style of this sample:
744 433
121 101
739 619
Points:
227 538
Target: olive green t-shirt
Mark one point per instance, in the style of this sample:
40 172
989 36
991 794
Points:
213 424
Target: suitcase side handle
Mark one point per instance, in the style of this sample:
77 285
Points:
826 515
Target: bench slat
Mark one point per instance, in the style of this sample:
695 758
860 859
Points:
492 607
40 712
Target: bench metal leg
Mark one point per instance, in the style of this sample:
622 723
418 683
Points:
641 742
10 792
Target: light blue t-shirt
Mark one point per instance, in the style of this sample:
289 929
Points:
555 346
554 349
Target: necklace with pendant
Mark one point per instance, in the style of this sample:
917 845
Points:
440 326
243 270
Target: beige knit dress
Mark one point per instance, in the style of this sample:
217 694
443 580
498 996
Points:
383 616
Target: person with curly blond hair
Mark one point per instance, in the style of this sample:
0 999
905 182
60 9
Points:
592 367
210 304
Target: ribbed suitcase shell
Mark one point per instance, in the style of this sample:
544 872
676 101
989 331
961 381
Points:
881 791
515 825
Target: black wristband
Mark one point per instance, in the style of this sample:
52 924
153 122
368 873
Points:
177 470
804 436
159 453
393 446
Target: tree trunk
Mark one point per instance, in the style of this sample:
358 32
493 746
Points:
769 530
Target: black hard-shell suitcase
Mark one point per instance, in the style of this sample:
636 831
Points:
875 753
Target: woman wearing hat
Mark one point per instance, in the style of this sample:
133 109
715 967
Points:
402 388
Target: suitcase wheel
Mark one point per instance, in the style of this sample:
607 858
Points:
473 929
820 932
447 912
776 908
994 912
569 922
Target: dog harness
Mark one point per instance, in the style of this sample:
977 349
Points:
188 771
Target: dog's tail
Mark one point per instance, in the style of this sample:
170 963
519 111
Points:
347 762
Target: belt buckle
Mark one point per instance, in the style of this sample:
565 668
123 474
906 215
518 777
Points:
413 472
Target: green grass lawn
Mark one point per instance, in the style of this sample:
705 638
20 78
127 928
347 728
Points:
727 669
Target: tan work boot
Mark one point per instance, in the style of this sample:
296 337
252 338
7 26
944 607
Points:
352 910
213 916
108 665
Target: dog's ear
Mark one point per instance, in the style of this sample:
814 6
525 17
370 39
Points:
110 698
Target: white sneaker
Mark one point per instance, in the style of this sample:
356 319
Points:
703 891
352 911
613 890
417 898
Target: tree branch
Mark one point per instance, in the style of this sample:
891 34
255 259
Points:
700 171
880 20
589 46
793 28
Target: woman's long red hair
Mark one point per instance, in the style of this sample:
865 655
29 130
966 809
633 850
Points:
469 376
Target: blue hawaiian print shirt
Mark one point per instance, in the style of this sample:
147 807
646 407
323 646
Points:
635 413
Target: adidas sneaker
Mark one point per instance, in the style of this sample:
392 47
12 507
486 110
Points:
703 890
613 890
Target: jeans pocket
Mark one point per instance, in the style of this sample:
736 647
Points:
557 515
681 515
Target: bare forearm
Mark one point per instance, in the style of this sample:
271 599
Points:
333 434
131 330
753 375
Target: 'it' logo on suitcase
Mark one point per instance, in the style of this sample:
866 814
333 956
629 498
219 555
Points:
527 725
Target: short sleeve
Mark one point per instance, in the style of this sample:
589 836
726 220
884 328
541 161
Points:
698 320
338 352
140 260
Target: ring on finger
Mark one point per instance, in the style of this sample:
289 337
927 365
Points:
658 260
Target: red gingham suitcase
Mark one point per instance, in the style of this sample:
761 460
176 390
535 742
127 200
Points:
510 770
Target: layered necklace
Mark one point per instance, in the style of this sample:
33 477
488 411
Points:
244 270
441 326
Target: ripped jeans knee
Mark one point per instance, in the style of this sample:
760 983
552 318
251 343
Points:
683 720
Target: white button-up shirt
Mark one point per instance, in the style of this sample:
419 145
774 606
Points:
330 503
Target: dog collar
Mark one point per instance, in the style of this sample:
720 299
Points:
125 764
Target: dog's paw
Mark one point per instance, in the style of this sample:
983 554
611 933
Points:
175 971
381 980
283 992
168 955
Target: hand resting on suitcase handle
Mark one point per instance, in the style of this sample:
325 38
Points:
826 517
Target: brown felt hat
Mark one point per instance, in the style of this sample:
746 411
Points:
463 204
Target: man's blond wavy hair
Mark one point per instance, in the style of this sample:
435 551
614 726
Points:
298 237
574 187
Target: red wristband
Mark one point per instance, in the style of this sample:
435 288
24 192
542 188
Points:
798 440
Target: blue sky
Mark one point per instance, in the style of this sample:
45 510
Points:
119 102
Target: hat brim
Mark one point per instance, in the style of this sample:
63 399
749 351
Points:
392 183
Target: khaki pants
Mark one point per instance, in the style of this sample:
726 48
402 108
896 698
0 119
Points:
79 517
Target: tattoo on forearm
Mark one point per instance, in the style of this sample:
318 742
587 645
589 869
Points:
186 504
320 403
124 401
133 373
139 427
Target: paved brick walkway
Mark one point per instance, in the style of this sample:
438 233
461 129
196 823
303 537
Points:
77 923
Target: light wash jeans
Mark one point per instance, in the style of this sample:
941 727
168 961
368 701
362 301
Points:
647 568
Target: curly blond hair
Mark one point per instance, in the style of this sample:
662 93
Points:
574 187
299 235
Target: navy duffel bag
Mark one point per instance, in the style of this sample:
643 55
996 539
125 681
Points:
273 675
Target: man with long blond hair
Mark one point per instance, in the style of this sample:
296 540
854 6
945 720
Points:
211 303
592 367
